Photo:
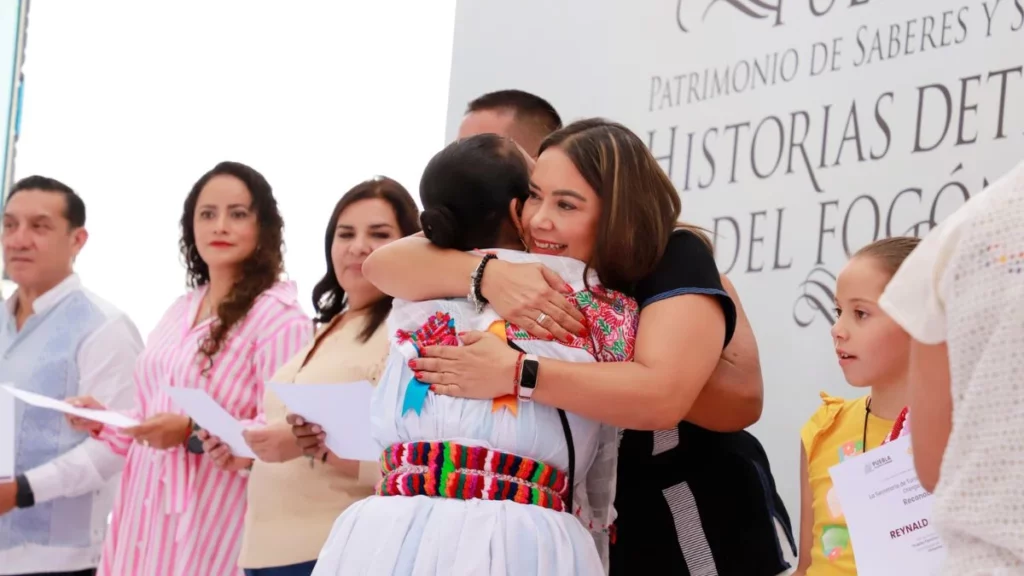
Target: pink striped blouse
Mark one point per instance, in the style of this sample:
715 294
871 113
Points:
177 514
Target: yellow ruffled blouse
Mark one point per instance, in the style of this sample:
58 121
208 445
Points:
834 433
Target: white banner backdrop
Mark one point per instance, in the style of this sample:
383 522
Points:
797 130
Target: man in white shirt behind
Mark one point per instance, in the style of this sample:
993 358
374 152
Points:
960 295
59 340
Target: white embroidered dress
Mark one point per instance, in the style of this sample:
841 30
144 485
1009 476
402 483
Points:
418 535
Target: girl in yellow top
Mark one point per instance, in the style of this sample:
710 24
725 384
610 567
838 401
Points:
873 351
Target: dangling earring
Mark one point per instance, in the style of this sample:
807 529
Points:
517 222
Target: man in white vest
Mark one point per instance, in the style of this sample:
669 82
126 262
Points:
59 340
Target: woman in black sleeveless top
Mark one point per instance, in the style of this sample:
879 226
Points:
690 501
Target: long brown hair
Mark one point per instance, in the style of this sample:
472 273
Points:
259 271
328 295
639 205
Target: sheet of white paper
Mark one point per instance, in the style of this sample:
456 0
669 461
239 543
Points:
6 436
342 410
212 417
888 512
105 416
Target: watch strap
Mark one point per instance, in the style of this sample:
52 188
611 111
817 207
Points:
528 376
194 445
24 498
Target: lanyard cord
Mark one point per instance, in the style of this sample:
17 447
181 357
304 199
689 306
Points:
864 436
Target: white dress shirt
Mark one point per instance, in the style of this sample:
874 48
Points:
106 362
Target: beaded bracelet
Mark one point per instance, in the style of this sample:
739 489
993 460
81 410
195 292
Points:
475 296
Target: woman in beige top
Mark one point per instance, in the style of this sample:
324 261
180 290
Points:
294 501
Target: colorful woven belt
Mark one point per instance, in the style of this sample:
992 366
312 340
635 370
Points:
450 470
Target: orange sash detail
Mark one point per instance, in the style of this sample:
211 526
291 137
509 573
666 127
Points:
509 401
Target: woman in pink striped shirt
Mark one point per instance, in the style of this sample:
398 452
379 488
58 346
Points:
176 513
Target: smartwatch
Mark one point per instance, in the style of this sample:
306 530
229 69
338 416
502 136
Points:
528 377
194 445
244 472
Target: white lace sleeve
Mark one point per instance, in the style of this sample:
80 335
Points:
600 486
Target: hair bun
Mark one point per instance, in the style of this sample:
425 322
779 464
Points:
440 227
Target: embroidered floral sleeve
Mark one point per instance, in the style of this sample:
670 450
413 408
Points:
612 318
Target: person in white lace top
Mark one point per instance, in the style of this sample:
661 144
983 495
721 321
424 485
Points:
960 295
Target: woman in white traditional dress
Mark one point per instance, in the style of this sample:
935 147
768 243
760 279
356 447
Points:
503 486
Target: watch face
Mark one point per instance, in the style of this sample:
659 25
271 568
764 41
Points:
195 445
23 497
528 377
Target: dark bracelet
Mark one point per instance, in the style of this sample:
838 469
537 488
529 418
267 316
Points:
193 445
24 498
476 297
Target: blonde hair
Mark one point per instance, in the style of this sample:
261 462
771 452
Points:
889 252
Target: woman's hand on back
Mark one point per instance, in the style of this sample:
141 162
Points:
482 369
524 293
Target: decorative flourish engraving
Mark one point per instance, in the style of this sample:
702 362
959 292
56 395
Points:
758 9
817 297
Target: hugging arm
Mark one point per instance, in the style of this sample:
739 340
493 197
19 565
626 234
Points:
678 344
732 399
414 269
